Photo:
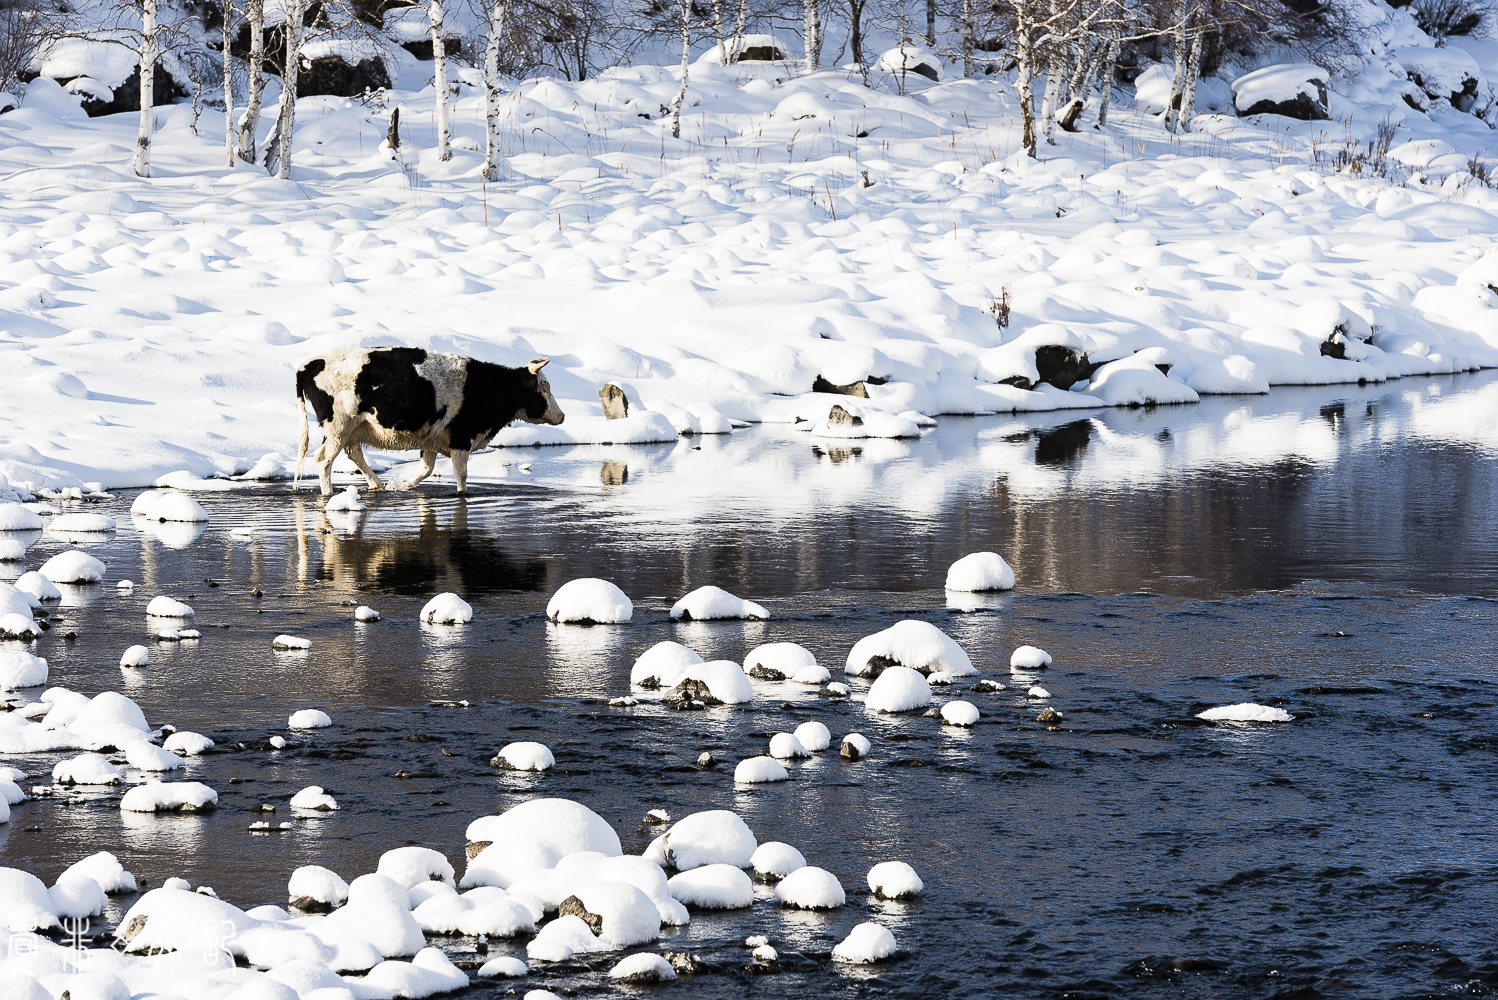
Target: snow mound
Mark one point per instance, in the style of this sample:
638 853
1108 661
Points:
169 796
1135 381
290 642
37 586
980 571
314 884
532 837
1037 692
168 505
485 910
858 743
898 689
75 895
67 524
1245 712
136 656
589 601
19 669
1283 85
711 603
429 972
911 643
105 869
760 770
348 500
506 966
663 665
959 713
644 967
774 860
14 517
313 797
25 904
775 661
86 769
713 887
526 756
725 680
715 836
149 757
18 626
784 746
166 607
12 549
309 718
364 613
810 888
867 943
414 866
447 609
1029 658
73 566
814 736
895 880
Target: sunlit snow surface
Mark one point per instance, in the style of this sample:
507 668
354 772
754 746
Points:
151 326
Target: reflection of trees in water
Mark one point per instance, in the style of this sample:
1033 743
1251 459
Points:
433 558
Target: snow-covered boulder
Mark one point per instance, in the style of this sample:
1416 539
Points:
105 869
18 627
715 836
1138 381
813 736
713 887
168 506
187 744
414 866
589 601
80 524
1245 712
169 796
377 913
147 756
485 910
313 797
980 571
75 895
709 603
773 860
909 58
73 566
855 746
895 880
19 669
959 713
1294 90
505 966
1444 74
865 944
524 756
760 770
641 968
167 607
810 888
746 48
785 746
717 682
25 903
290 644
1046 354
898 689
37 586
532 837
447 609
309 718
14 517
86 769
778 661
910 643
315 889
1029 658
663 665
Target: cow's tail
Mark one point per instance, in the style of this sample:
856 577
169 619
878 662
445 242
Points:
301 451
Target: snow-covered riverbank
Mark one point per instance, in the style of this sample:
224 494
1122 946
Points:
802 227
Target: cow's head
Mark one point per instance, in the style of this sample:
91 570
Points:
540 406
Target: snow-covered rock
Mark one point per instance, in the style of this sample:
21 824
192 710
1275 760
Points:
136 656
866 943
715 836
313 797
898 689
364 613
911 58
785 746
86 769
14 517
980 571
1295 90
347 501
725 680
505 966
309 718
167 607
589 600
290 643
810 888
525 756
778 661
911 643
532 837
959 713
710 603
313 887
148 756
643 967
1029 658
169 796
37 586
895 880
447 609
774 861
73 566
414 866
1245 712
713 887
18 626
105 869
168 506
80 524
813 736
25 903
663 665
19 669
759 770
485 910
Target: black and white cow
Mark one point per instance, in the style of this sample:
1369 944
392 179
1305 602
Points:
408 398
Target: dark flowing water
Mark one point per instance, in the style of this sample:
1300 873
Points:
1331 551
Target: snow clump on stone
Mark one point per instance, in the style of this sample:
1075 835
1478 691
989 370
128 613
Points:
814 736
1245 712
169 796
589 600
709 603
774 861
713 887
447 609
136 656
703 838
168 505
313 797
524 756
645 967
784 746
86 769
309 718
959 713
19 669
37 586
533 837
73 566
1029 658
759 771
867 943
910 643
810 888
776 661
315 887
187 744
290 643
980 571
894 880
898 689
162 606
663 665
67 524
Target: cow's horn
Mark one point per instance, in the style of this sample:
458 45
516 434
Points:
536 365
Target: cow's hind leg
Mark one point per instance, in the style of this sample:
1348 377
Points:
428 463
327 453
460 469
356 455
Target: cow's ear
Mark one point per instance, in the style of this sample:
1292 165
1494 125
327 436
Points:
536 365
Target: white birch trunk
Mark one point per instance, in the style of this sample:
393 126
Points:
811 33
931 19
1105 84
147 88
1024 56
496 18
250 133
439 80
287 117
738 31
967 35
686 53
1178 79
1054 74
228 90
718 29
1188 93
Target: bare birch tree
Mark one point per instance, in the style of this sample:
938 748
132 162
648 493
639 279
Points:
228 35
684 15
148 53
278 151
811 33
250 132
495 15
437 15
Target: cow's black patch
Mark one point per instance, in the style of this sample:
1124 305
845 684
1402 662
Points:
392 391
307 389
492 397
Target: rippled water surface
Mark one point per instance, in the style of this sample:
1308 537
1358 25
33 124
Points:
1331 551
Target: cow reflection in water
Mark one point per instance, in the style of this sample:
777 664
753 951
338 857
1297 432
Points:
444 553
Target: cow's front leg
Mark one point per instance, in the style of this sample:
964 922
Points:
428 464
356 455
460 469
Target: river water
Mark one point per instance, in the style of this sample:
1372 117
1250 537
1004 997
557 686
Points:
1331 550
